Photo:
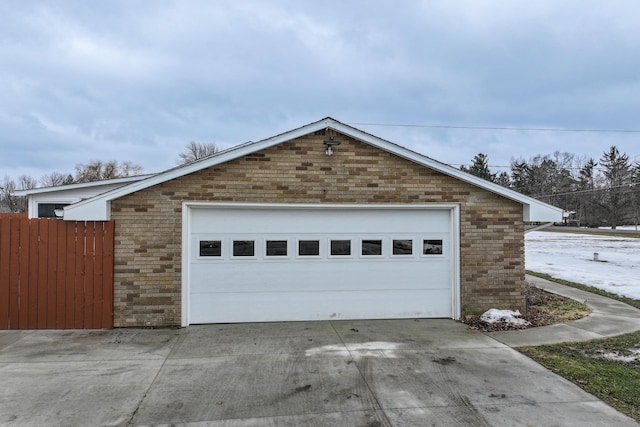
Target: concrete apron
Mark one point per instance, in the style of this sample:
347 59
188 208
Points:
339 373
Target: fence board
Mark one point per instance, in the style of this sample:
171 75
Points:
98 274
41 286
22 229
33 262
70 276
14 275
51 284
55 274
5 262
90 260
61 285
78 317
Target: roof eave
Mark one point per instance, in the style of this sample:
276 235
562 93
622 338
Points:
58 188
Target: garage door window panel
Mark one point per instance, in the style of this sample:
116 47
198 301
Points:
210 248
243 248
340 248
432 247
402 247
276 248
371 248
309 248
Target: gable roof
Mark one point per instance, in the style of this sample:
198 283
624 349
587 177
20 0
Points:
98 207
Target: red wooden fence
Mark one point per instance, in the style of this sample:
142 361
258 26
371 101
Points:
55 274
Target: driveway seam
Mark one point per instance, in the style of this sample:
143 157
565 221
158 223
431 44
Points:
379 408
179 341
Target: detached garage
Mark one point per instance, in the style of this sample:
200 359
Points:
321 222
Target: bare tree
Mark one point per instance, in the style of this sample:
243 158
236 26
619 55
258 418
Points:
196 150
98 170
9 186
56 178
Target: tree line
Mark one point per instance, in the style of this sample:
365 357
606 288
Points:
593 194
96 170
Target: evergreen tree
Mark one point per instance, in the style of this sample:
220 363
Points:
521 176
587 212
617 180
503 179
480 167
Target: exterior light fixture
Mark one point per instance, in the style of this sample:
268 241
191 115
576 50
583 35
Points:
330 143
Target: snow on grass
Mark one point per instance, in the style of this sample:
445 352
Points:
569 256
622 227
617 356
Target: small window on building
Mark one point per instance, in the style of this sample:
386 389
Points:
432 247
371 247
402 247
210 248
341 247
276 248
48 210
243 248
308 247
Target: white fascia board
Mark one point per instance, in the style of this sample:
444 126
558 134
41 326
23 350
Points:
107 183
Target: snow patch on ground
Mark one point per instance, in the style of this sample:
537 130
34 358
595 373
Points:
569 257
622 227
618 357
508 316
357 350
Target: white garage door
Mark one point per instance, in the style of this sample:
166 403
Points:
279 263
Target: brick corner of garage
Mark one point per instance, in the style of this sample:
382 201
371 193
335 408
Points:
147 312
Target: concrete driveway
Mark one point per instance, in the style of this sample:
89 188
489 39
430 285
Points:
339 373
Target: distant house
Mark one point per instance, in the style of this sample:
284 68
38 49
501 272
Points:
321 222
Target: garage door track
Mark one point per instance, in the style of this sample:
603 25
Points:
338 373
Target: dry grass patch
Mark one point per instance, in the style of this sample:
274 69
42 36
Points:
544 308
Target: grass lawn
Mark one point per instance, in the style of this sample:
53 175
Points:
607 368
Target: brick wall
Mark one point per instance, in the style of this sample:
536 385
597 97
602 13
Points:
148 223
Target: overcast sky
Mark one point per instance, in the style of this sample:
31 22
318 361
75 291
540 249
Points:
137 80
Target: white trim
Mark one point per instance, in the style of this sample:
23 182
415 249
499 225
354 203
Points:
57 188
456 295
534 210
185 254
187 207
395 206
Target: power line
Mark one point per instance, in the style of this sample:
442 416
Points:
509 166
591 190
497 128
